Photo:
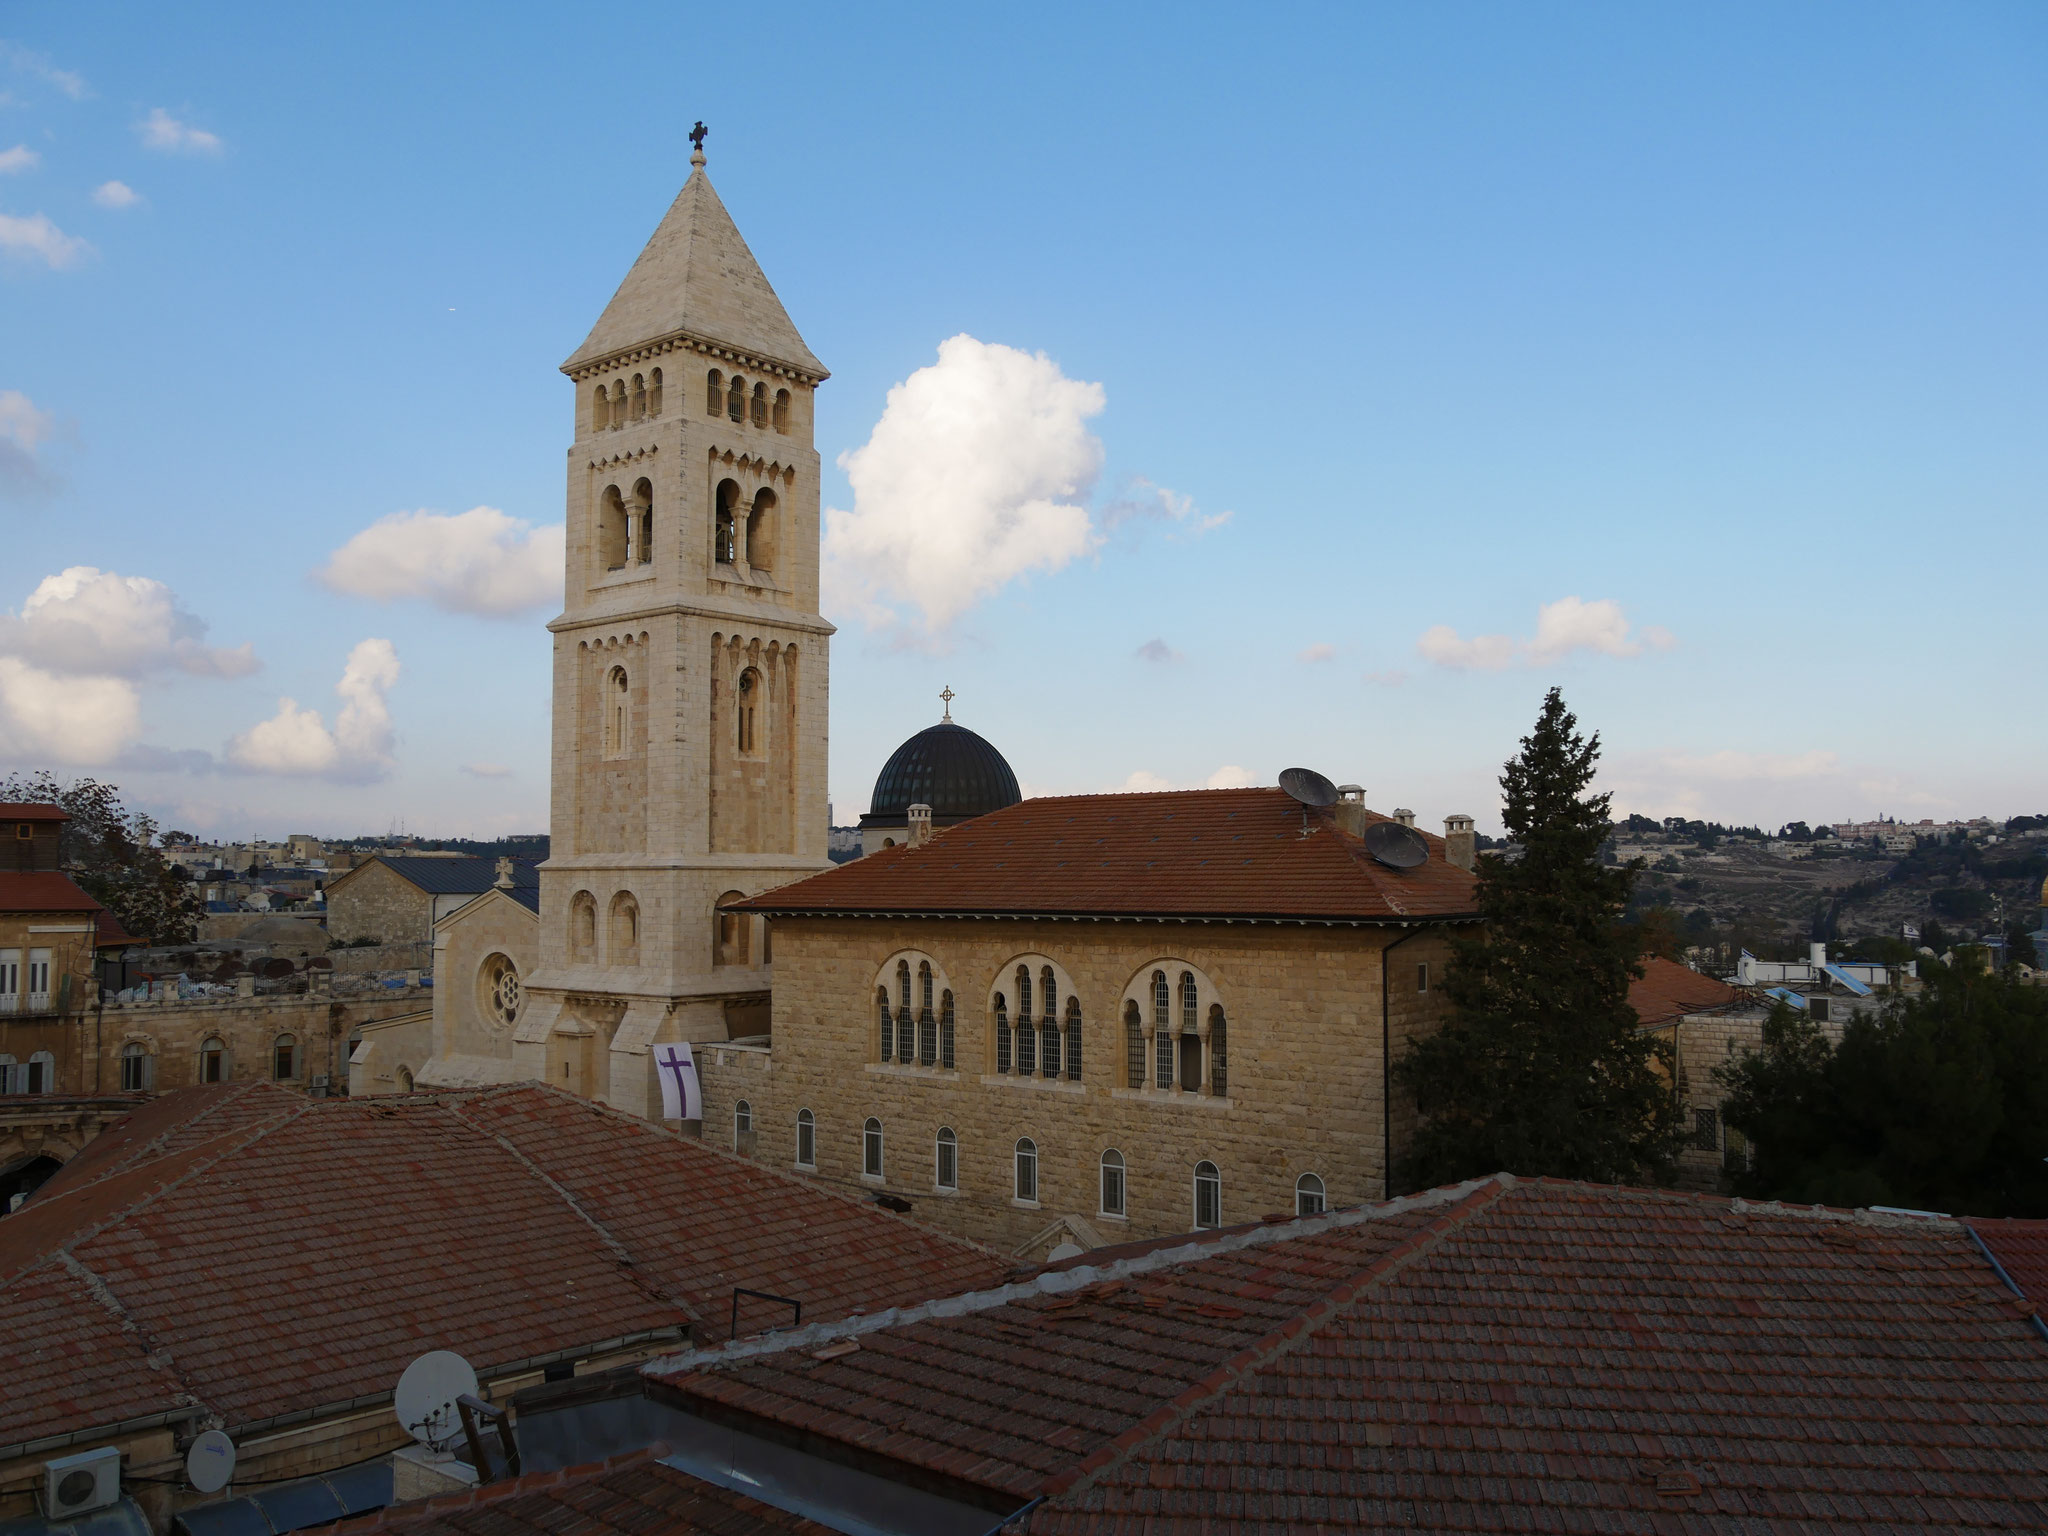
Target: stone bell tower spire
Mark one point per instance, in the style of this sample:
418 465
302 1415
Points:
690 661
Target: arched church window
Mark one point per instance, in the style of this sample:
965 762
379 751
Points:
782 410
498 992
640 524
1049 1025
654 393
927 1019
213 1060
1219 1052
618 713
611 529
732 932
946 1030
636 401
946 1170
1134 1047
728 499
1162 1031
714 392
806 1139
760 405
761 531
618 403
1002 1028
1027 1169
871 1149
886 1023
583 927
1073 1039
625 934
750 697
1208 1196
736 399
1112 1183
600 409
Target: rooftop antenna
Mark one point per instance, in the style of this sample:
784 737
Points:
1394 845
425 1401
1310 790
210 1464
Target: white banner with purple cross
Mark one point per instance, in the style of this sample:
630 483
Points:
681 1098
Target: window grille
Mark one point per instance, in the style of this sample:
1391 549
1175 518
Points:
806 1139
1027 1045
135 1073
1162 1059
1208 1196
871 1148
1049 1046
1308 1195
946 1030
1027 1169
742 1117
1219 1052
1112 1183
906 1022
1134 1048
1706 1129
1189 1003
888 1031
1023 992
947 1175
1002 1036
1073 1039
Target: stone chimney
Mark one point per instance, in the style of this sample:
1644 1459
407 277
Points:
920 825
1460 848
1404 816
1349 810
504 880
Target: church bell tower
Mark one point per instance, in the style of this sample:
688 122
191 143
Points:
690 663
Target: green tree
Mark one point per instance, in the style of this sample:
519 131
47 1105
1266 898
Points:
113 855
1542 1067
1939 1102
2019 946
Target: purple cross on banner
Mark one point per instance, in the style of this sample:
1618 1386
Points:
681 1098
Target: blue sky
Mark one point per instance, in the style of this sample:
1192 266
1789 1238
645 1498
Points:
1726 322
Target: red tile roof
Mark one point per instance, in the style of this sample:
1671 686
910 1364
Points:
1667 990
111 934
30 810
1503 1356
46 892
2021 1248
1217 853
219 1249
630 1495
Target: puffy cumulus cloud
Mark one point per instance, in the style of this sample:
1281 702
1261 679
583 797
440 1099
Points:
480 561
18 159
1157 650
1229 776
49 717
23 429
115 194
35 238
1566 626
162 131
296 742
85 621
1322 650
977 473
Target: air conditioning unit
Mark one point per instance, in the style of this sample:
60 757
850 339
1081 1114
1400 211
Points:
80 1484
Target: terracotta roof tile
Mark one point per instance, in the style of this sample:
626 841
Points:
1222 853
2021 1248
44 892
1667 990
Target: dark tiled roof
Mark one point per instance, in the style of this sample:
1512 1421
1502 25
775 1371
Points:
2021 1248
1220 853
1504 1356
212 1249
46 892
631 1495
1667 990
449 877
30 810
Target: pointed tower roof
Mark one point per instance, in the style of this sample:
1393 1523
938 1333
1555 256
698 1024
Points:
697 277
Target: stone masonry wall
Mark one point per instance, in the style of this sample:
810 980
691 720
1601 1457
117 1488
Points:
378 903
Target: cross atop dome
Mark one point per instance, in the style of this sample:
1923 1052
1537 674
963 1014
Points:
947 696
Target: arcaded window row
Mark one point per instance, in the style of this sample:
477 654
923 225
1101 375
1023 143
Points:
625 401
733 398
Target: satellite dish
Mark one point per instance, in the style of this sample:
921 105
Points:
1308 786
1064 1251
425 1399
1394 845
210 1464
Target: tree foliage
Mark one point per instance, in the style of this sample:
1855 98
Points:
114 856
1939 1102
1542 1067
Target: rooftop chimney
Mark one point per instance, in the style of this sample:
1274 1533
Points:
1349 810
920 825
1404 816
1460 848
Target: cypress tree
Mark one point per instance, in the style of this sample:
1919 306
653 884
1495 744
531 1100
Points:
1542 1067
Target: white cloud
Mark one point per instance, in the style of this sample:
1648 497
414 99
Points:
1742 787
1157 650
45 717
976 474
18 159
35 237
87 622
38 64
296 742
1570 624
480 561
162 131
1144 781
1322 650
487 770
115 194
1144 501
1229 776
23 428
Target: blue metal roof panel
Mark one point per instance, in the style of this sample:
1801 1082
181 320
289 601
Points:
1847 980
460 877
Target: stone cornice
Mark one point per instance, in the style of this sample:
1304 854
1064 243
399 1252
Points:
750 615
687 341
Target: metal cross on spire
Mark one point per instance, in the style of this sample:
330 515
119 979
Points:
697 142
947 696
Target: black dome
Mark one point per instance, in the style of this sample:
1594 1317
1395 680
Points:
948 768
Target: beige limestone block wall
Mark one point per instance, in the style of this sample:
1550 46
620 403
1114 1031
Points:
1306 1080
376 902
172 1034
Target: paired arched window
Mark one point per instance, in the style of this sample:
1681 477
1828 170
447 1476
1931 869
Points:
640 523
138 1067
284 1058
946 1160
600 409
760 405
736 399
36 1075
1027 1169
714 393
806 1139
871 1149
782 410
1308 1195
1038 1039
1189 1050
1208 1196
750 699
618 713
1114 1192
725 534
213 1060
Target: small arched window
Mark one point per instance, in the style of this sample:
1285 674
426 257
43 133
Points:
1308 1195
636 402
654 393
136 1067
736 399
927 1018
640 524
611 529
806 1139
760 405
1113 1194
618 402
725 538
887 1022
906 1020
1002 1028
284 1058
750 698
1219 1052
1208 1196
618 712
1134 1047
624 941
1189 1002
1162 1032
742 1123
213 1060
1073 1039
600 409
946 1030
871 1149
761 531
946 1170
714 393
1049 1024
782 410
583 926
731 932
1027 1169
404 1079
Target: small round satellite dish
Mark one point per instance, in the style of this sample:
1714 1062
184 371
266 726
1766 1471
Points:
1394 845
1308 786
1064 1251
210 1464
425 1399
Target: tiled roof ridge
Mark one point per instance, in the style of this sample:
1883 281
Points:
619 1251
395 1517
155 1357
1287 1337
1739 1205
1054 1282
158 1144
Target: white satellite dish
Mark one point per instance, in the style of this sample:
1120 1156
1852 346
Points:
210 1464
425 1399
